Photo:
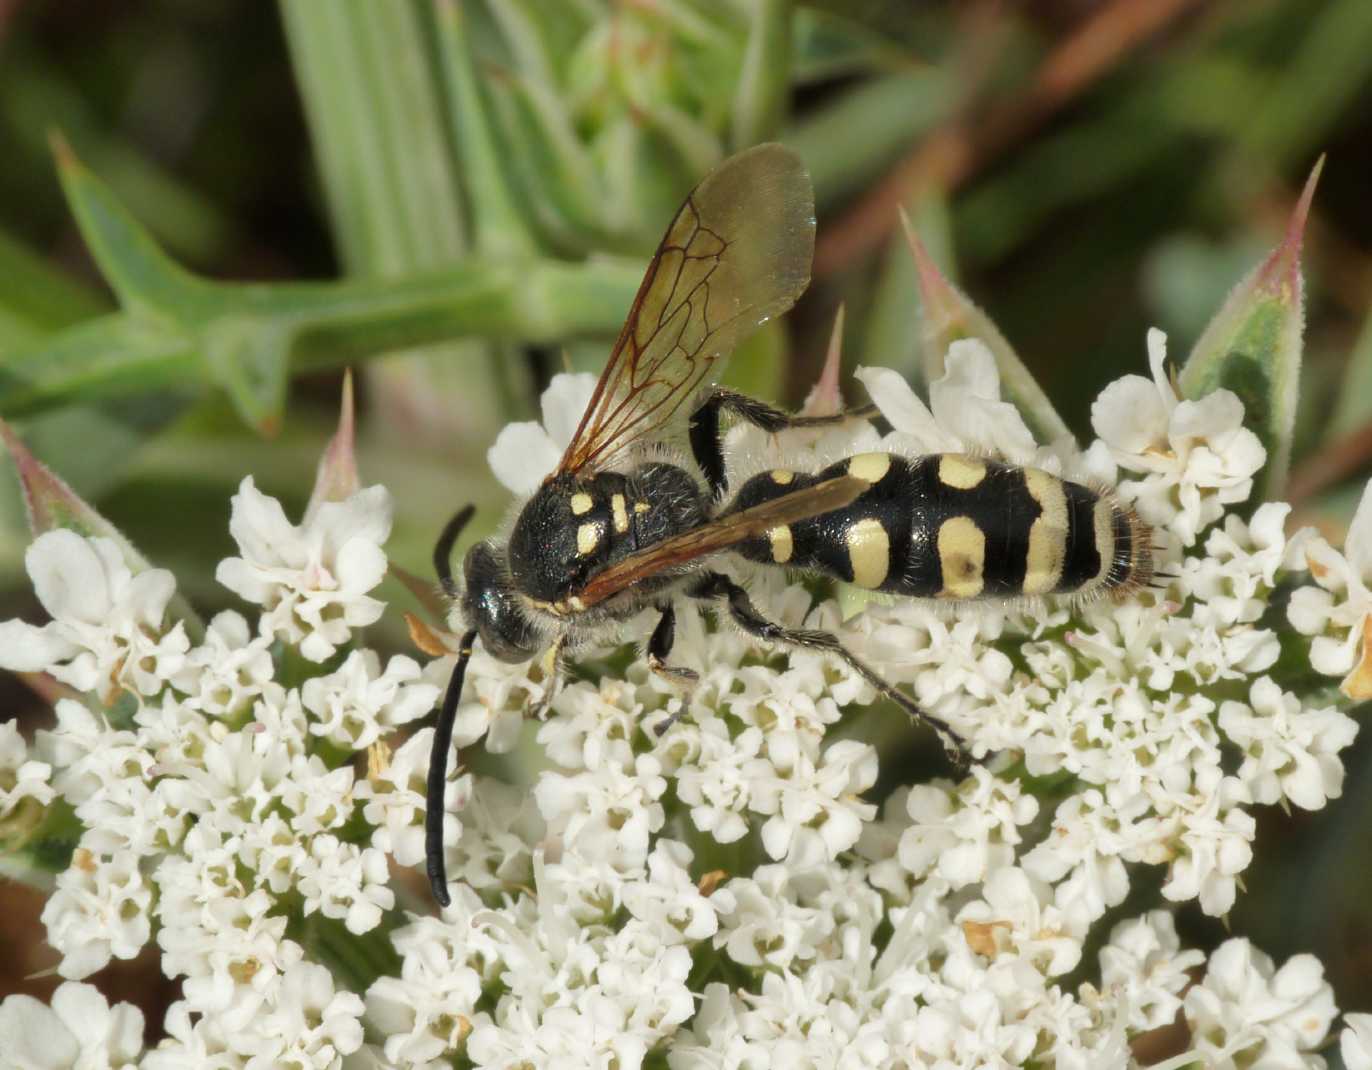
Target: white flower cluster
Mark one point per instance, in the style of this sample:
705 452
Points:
724 894
211 814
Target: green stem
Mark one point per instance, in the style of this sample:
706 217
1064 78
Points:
316 325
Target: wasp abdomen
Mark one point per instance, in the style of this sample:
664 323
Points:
958 527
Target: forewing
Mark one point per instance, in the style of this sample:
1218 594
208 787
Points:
721 534
737 254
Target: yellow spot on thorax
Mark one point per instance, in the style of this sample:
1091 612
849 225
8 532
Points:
587 537
869 550
582 503
619 513
962 557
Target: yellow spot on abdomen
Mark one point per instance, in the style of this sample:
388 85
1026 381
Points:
869 466
619 513
1047 534
782 476
587 538
962 557
582 503
869 550
960 471
782 544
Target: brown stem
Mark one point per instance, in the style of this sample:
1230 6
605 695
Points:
948 156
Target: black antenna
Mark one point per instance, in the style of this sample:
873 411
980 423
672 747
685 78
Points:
438 758
443 549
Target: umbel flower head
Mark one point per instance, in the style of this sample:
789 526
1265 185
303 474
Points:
728 893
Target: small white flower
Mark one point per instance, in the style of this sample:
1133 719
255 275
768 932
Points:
1355 1042
814 808
1213 843
359 703
20 778
761 924
79 1030
107 627
313 578
965 410
1017 913
1144 968
426 1013
310 1025
1087 845
525 453
1289 752
606 813
964 834
101 910
393 798
229 669
669 900
344 881
1196 456
1338 612
1246 1012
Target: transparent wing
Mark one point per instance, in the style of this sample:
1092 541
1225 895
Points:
737 254
721 534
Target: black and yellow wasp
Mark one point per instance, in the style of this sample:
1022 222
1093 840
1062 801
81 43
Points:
616 528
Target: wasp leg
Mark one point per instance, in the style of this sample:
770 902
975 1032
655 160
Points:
551 663
659 647
707 445
713 585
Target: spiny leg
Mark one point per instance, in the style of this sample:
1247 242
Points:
438 773
714 585
659 649
707 445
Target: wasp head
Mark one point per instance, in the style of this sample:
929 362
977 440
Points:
491 607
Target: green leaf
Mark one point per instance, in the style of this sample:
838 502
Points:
1253 345
145 280
764 82
180 332
497 223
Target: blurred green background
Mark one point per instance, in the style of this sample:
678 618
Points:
457 198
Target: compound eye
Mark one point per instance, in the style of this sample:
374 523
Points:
492 608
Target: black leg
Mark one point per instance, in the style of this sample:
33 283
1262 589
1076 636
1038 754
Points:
443 549
659 649
707 446
713 585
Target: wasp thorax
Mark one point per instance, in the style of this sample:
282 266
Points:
491 607
562 535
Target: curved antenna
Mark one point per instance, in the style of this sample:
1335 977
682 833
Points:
438 764
443 549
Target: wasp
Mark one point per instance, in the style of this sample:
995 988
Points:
623 524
